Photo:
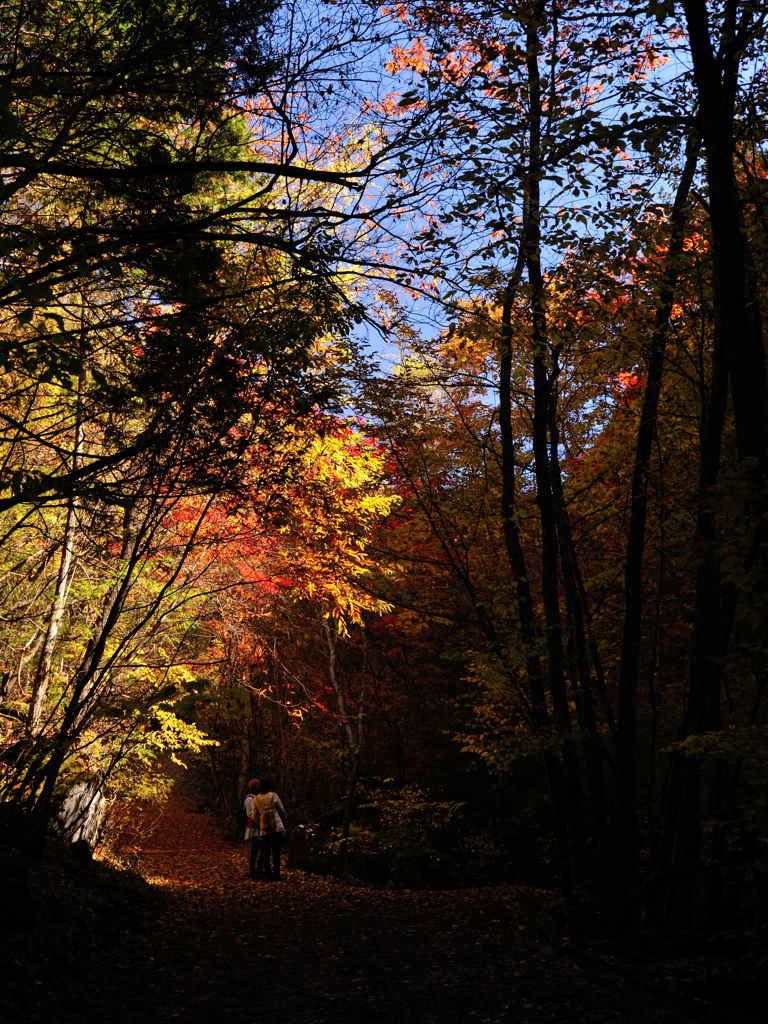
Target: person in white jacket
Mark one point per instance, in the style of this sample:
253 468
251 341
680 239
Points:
272 822
252 831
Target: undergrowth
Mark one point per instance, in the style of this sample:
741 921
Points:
60 909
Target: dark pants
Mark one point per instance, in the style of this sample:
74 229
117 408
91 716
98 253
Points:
270 843
254 852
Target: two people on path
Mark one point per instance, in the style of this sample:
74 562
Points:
264 831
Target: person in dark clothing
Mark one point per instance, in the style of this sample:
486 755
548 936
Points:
272 821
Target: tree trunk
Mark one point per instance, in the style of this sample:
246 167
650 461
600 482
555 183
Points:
627 842
581 682
739 345
516 557
332 639
716 77
83 688
63 579
543 391
711 632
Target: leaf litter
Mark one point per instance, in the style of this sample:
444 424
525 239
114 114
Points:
311 950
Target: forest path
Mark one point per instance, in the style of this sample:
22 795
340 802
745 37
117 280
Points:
311 951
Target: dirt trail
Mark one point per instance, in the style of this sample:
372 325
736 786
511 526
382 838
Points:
310 951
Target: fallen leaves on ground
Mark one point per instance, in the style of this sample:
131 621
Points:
309 950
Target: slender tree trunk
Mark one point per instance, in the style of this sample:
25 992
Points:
627 829
553 766
332 639
355 774
536 689
355 748
711 632
592 746
543 391
350 801
716 77
110 613
63 579
28 652
42 789
739 345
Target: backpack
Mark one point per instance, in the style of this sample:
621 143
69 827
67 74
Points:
269 817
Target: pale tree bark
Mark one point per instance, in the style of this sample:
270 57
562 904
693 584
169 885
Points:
332 639
355 744
358 750
63 581
84 692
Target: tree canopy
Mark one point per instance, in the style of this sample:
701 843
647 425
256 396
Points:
385 392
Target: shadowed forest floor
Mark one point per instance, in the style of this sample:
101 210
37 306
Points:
216 946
